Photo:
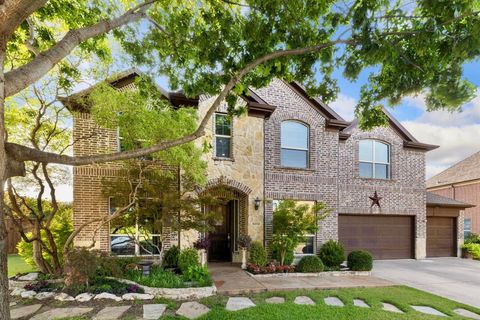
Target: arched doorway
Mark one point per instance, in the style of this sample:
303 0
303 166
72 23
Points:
232 212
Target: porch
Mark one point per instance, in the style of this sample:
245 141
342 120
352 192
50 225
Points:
230 279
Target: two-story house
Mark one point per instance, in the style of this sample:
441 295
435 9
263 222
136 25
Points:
288 146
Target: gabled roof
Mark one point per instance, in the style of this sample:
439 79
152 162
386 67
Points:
77 102
409 140
435 200
466 170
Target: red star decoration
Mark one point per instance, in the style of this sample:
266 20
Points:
375 200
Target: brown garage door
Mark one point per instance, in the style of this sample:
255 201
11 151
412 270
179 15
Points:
441 237
386 237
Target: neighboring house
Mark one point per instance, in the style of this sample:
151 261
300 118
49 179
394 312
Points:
288 146
461 182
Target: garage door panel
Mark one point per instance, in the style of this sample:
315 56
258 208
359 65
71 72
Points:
386 237
441 237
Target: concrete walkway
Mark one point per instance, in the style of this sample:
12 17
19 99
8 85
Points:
453 278
231 280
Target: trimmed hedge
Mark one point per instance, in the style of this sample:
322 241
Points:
332 253
310 264
170 259
258 254
187 259
360 260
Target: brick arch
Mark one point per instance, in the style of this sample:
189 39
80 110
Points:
226 182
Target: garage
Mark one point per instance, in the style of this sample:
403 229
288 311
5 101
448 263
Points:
386 237
441 237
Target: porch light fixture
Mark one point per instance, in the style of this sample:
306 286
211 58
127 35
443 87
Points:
257 203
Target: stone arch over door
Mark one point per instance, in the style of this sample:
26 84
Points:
231 190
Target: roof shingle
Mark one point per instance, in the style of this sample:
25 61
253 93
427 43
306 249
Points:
465 170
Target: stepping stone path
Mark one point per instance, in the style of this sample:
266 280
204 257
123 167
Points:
61 313
360 303
467 314
429 310
333 301
111 313
192 310
303 300
153 311
22 312
391 308
275 300
239 303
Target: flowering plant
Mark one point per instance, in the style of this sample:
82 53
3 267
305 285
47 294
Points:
202 243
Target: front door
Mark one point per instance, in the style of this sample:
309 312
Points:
221 237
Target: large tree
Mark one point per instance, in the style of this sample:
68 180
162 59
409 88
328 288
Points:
222 47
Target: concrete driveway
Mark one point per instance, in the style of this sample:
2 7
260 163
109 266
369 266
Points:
453 278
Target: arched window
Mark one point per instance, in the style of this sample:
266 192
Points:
374 159
294 144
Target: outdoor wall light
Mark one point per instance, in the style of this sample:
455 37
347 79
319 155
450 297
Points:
257 203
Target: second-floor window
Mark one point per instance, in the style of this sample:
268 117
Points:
294 144
374 159
223 136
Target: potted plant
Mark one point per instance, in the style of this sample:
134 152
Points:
202 245
244 242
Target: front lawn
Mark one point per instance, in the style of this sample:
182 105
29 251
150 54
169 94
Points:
17 265
400 296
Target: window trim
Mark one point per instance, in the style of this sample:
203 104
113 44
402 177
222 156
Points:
215 135
374 162
137 236
307 150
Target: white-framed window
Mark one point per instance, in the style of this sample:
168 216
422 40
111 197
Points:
467 227
294 144
307 246
374 159
136 232
223 136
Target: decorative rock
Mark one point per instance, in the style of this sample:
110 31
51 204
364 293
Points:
238 303
62 296
303 300
44 295
84 297
467 313
17 292
111 313
153 311
32 276
106 295
192 310
60 313
23 312
429 310
28 294
360 303
137 296
333 301
275 300
391 308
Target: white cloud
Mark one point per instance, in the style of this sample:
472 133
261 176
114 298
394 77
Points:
344 106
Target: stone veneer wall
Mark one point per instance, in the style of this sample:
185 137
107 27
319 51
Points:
403 194
316 183
244 170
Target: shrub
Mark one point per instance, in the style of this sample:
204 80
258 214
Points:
81 267
472 238
202 243
473 249
41 286
289 256
258 254
187 258
310 264
198 274
170 259
332 253
108 266
158 278
360 260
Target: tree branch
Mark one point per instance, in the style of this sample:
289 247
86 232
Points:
20 78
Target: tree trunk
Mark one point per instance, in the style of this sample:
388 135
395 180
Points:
38 251
4 294
56 265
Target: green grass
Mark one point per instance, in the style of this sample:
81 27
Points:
17 265
400 296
